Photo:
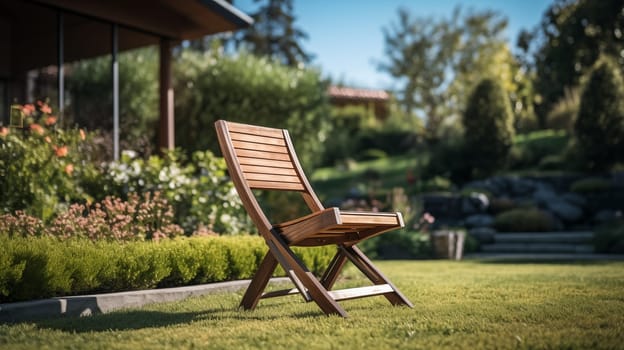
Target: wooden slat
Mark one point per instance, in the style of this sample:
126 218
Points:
259 147
272 177
270 185
268 170
240 153
351 218
353 293
255 130
257 139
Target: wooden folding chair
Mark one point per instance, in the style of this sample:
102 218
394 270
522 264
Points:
264 158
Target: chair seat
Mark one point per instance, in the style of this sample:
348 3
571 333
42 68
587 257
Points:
332 226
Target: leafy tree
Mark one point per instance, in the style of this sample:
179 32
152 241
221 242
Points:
274 33
572 36
249 89
599 127
438 61
488 128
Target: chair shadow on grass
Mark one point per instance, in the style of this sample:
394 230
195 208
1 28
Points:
133 319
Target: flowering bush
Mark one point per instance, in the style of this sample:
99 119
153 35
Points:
203 198
42 167
149 217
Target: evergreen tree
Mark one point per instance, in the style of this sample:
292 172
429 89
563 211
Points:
274 33
599 127
488 127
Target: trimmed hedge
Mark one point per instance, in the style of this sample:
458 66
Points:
43 267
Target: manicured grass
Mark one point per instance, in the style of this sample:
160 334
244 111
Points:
465 305
391 172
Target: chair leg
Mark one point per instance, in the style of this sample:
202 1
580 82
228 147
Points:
366 266
317 292
333 270
259 282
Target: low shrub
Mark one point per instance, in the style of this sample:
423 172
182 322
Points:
401 244
148 217
590 185
198 189
43 267
609 238
42 166
523 220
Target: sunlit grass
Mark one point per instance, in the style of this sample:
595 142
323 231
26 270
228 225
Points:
391 171
465 305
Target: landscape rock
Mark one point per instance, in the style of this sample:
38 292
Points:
574 198
565 211
474 203
485 235
479 220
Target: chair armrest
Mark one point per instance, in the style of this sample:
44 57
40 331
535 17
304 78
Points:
301 228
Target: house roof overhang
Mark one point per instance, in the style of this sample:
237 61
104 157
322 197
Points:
173 19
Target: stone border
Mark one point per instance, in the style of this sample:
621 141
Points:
87 305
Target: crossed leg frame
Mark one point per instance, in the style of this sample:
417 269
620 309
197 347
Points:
314 289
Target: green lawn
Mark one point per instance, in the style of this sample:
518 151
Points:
458 305
334 182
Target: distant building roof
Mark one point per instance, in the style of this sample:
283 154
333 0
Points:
344 93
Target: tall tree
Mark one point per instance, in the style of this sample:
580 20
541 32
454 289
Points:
599 127
571 37
438 61
274 33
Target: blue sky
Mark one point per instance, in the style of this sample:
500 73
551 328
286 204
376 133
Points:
346 35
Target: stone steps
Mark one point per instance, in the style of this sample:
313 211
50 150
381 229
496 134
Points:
541 243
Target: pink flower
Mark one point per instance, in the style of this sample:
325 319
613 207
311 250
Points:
61 151
36 128
69 169
4 131
83 135
27 109
45 109
51 120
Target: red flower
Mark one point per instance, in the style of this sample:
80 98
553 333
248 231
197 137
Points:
61 151
36 128
51 120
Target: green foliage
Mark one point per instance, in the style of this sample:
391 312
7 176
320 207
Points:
202 196
564 111
609 238
590 185
599 128
252 90
531 149
523 220
488 128
572 36
43 168
438 62
401 244
46 267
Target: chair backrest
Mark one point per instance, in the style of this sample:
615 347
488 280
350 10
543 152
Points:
265 159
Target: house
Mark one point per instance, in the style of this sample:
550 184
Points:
375 101
36 34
